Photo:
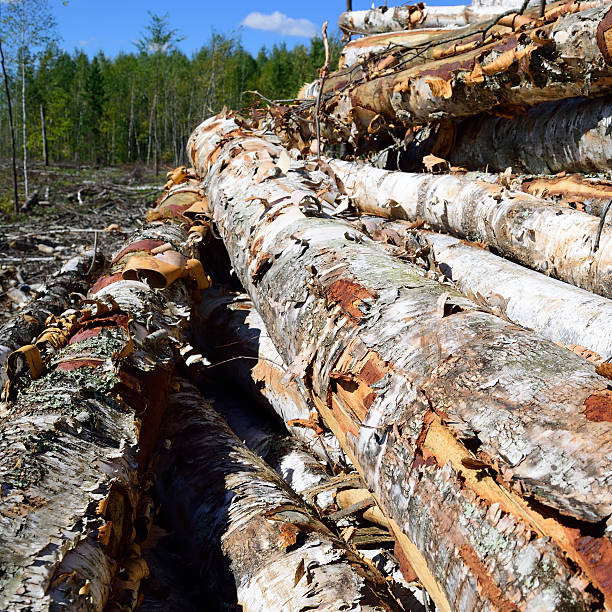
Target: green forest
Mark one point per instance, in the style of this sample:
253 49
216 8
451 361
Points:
137 107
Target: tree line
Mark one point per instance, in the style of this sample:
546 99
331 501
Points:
137 107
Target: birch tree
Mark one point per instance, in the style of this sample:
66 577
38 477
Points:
9 104
156 42
29 27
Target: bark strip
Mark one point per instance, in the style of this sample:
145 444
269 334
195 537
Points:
588 194
400 367
249 534
552 239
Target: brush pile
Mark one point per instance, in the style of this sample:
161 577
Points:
391 387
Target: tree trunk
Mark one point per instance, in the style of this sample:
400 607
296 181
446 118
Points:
560 59
12 129
383 44
43 125
23 106
255 540
569 135
78 429
549 238
557 311
382 19
231 330
55 298
410 375
131 123
150 138
231 321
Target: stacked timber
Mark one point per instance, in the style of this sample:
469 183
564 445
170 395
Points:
475 436
105 452
399 387
393 89
417 308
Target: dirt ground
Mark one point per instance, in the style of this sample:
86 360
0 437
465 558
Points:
76 204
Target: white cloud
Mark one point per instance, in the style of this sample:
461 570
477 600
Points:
279 22
86 41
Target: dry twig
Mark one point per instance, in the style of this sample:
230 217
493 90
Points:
323 72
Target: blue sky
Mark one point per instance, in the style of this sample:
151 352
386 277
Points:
112 25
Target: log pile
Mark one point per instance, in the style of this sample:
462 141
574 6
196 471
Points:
393 389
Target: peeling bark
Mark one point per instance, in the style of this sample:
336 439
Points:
587 194
407 373
253 539
556 310
231 330
379 45
77 432
552 239
55 299
556 59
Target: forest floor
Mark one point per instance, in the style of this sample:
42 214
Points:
76 204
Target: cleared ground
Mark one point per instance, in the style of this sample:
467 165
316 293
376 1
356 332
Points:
75 204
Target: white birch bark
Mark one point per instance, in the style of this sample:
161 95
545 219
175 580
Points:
285 454
555 240
230 330
393 19
406 373
248 533
558 311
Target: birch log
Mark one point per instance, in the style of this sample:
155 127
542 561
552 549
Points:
254 541
230 330
555 240
380 45
409 375
414 47
299 468
569 135
84 405
558 311
407 17
565 58
54 299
